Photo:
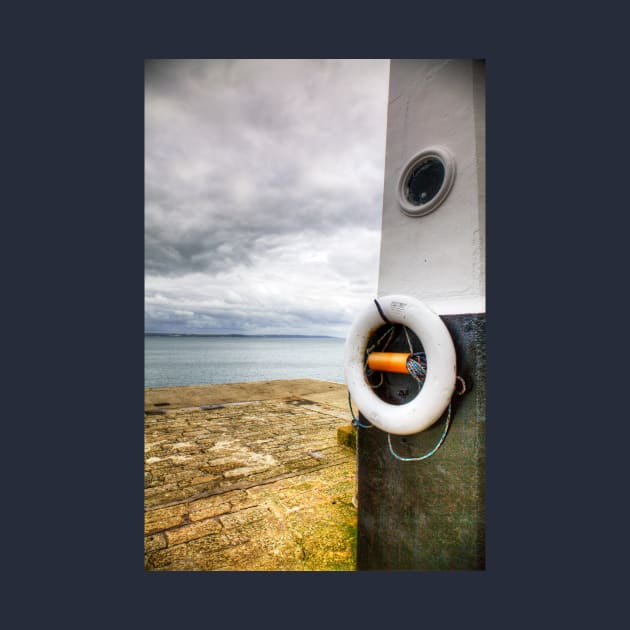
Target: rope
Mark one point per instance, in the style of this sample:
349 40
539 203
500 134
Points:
371 349
380 312
417 368
429 453
375 344
355 420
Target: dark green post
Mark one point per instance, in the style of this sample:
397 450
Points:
430 515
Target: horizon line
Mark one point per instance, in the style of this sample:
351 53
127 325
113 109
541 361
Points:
189 334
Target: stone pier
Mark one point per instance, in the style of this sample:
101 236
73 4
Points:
249 477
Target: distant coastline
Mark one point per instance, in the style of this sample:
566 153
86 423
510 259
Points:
178 359
166 334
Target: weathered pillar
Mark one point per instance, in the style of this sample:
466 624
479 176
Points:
431 514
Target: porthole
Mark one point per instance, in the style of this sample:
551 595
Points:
426 181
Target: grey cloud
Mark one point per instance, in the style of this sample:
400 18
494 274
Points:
230 150
245 322
242 155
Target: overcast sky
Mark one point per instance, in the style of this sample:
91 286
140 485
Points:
263 194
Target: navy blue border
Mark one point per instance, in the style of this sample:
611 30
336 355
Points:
75 196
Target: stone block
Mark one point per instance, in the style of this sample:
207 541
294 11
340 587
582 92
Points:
347 436
190 532
164 518
153 542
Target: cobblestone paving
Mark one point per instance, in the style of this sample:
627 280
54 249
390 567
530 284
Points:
250 486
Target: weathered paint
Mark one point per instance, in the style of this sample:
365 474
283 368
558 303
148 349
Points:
430 515
438 258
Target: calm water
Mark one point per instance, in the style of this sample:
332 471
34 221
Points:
172 361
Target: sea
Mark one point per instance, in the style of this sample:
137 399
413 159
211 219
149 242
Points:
171 361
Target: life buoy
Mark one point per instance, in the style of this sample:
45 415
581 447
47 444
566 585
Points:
427 407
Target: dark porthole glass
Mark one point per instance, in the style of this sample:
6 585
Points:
424 181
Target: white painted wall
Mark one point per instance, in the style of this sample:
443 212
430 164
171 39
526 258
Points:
438 258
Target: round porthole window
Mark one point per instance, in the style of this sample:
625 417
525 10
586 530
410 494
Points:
426 181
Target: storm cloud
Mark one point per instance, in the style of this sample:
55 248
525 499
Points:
263 193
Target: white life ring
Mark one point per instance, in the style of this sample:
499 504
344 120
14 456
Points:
427 407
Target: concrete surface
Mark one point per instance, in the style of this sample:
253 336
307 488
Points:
248 477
